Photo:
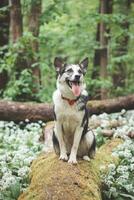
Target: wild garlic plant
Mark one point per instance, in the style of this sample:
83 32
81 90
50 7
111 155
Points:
119 182
19 146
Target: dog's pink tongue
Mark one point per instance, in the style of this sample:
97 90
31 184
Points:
76 89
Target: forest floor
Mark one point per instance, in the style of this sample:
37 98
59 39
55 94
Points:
17 154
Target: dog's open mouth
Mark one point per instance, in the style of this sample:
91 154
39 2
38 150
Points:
75 87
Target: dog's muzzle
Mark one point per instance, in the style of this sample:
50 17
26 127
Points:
75 86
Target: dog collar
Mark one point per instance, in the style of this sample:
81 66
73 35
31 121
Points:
70 101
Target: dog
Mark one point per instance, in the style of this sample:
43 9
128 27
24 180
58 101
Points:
71 137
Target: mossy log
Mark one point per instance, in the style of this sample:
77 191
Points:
52 179
18 111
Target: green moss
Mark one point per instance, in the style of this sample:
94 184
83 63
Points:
58 180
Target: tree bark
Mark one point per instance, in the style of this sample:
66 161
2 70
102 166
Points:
3 79
16 111
101 53
34 27
16 27
119 74
4 37
55 179
4 23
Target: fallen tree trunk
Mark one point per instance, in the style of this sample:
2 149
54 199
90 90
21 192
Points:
17 111
111 105
55 179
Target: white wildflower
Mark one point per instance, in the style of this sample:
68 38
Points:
23 171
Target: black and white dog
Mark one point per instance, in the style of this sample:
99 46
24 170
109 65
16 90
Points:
71 137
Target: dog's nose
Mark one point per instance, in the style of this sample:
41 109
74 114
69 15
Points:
77 77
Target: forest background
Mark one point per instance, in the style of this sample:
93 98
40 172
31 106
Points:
34 32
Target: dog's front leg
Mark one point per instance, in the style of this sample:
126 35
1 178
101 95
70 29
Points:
59 134
76 142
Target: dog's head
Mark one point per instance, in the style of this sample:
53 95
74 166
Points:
70 76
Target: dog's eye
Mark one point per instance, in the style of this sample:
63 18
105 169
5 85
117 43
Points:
80 72
70 70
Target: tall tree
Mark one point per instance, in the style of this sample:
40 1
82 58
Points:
4 37
25 62
34 27
96 61
101 53
16 27
119 75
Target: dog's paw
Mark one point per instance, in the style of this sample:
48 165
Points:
63 157
72 161
86 158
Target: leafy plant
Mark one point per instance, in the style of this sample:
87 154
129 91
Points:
68 29
100 139
17 62
19 145
119 182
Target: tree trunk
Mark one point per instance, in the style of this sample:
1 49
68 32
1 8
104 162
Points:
101 54
15 111
4 23
4 37
34 26
3 79
96 61
55 179
119 74
16 27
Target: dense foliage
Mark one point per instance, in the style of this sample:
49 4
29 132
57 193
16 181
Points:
15 62
68 29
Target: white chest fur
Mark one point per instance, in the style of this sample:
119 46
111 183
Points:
65 112
69 117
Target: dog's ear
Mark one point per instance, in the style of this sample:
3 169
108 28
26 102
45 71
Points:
58 63
84 65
